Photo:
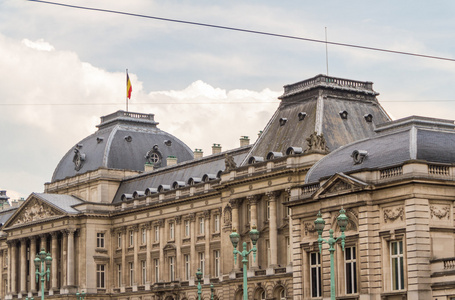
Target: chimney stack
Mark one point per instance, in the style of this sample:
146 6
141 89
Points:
198 153
216 148
171 160
244 141
148 167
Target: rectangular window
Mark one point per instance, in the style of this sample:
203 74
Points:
144 271
119 240
216 223
187 263
397 265
201 226
144 236
131 238
216 257
172 268
156 263
268 211
171 231
350 266
131 265
202 262
248 213
100 272
157 233
315 274
187 228
119 275
100 240
267 246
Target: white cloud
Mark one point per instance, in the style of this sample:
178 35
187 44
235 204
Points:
40 45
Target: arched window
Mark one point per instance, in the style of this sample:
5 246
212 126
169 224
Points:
283 294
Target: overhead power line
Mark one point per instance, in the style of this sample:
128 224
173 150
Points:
245 30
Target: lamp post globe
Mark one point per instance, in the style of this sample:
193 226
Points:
235 238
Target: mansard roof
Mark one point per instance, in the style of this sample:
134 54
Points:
412 138
123 141
342 110
206 168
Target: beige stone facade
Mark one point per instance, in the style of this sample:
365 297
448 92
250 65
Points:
132 234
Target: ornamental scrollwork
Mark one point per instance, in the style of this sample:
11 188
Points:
440 213
391 214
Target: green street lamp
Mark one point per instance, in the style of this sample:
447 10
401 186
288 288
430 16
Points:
319 224
44 261
212 291
235 238
80 296
27 298
199 287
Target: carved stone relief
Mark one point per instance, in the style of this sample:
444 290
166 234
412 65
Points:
227 216
339 185
392 214
440 211
35 211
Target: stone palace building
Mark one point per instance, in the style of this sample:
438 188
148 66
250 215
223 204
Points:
131 213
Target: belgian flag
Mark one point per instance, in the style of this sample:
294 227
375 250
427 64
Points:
129 87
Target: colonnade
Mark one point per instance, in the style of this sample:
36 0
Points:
20 256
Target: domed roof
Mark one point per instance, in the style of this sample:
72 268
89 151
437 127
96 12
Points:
124 140
412 138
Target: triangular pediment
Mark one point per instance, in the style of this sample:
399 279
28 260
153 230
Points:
33 210
340 184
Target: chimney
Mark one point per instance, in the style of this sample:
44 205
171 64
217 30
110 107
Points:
216 148
148 167
260 133
244 141
198 153
171 160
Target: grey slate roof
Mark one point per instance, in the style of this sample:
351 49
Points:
60 201
122 142
181 172
427 139
6 214
321 98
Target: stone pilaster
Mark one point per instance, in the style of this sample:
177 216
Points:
273 232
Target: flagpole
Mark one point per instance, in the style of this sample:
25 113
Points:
126 90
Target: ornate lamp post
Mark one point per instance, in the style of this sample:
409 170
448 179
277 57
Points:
212 291
44 261
199 287
27 298
235 238
319 224
80 296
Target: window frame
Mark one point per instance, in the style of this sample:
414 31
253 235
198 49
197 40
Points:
100 276
316 277
397 281
100 239
350 270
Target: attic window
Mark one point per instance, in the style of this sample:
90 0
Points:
283 121
128 138
294 150
302 116
99 139
273 155
344 114
359 156
168 142
255 159
368 118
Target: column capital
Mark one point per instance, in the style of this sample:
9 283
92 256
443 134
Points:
43 235
235 203
160 222
70 231
11 243
23 240
134 228
252 199
147 225
54 234
271 196
178 220
192 217
207 214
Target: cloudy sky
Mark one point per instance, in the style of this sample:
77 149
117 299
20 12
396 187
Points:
63 68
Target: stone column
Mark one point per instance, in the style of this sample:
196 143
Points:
288 194
43 242
64 264
13 265
23 261
70 260
148 255
124 251
137 268
193 258
273 232
54 256
178 240
252 201
161 223
235 203
32 264
207 232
